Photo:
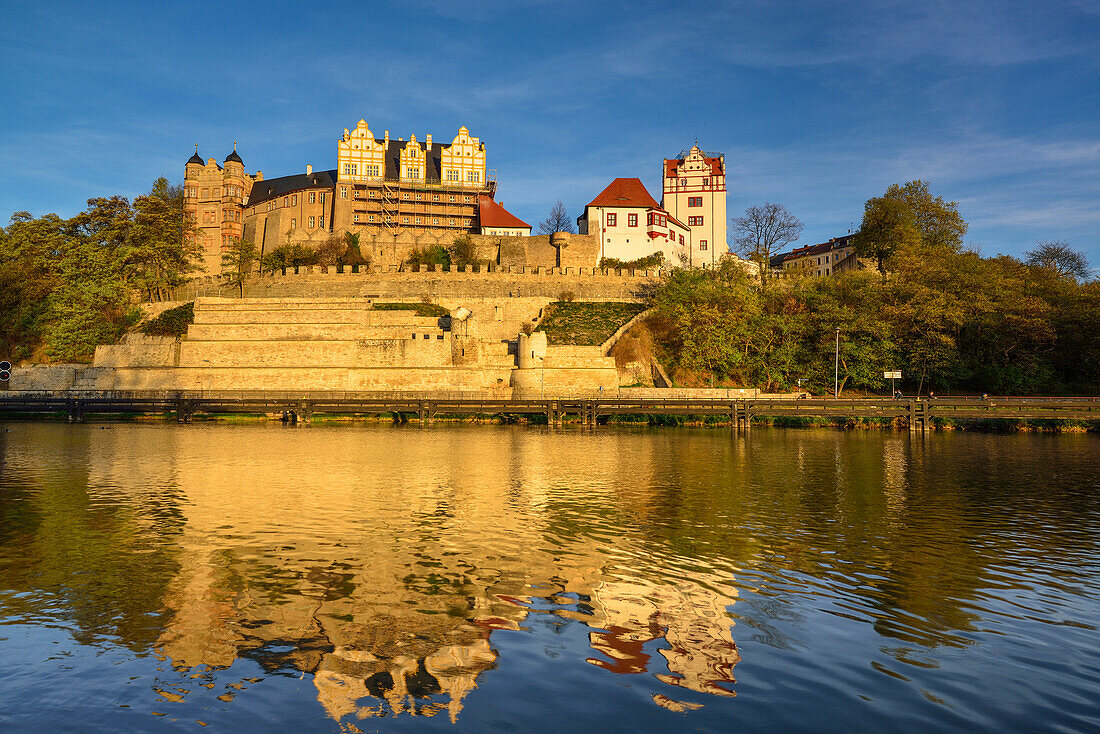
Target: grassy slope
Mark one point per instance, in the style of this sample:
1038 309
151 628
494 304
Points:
586 323
422 309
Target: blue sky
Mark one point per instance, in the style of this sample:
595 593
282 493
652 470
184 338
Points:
818 106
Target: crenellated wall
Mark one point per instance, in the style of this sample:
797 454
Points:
591 284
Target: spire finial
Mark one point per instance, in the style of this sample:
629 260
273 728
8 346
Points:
196 148
234 146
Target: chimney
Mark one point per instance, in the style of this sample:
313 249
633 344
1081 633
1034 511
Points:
387 137
259 175
309 169
428 140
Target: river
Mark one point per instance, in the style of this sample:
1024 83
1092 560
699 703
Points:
347 578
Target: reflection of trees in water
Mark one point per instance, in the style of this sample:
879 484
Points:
77 550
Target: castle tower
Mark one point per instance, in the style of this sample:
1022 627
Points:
695 194
214 200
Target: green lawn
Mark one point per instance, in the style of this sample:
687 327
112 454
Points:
586 324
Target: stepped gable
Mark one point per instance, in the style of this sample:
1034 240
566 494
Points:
433 168
625 192
272 188
493 214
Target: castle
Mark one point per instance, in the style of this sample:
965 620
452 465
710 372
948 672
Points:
404 195
396 194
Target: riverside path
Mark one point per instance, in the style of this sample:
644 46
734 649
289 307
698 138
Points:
918 413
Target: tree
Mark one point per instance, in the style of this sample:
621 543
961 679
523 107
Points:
288 256
93 303
463 252
558 221
762 232
888 225
350 254
938 221
1058 257
434 255
237 261
161 251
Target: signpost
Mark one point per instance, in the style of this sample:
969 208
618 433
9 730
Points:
891 376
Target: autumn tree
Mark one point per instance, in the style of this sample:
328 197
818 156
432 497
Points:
93 302
938 221
888 226
161 251
463 252
762 232
238 259
558 221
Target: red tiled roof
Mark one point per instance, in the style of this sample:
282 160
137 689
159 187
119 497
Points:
674 219
492 214
671 164
625 192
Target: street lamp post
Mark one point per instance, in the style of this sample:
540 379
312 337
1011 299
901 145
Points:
836 367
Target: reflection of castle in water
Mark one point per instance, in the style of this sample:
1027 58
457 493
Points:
389 592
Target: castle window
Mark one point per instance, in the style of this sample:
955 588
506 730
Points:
649 218
683 182
404 220
453 198
695 221
418 220
435 221
632 220
321 223
405 195
351 169
452 222
294 200
371 170
293 223
312 197
702 244
469 199
473 176
286 201
343 192
695 201
435 197
706 182
355 218
370 217
611 220
312 222
412 172
452 174
322 197
419 196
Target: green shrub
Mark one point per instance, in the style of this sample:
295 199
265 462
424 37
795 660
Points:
422 309
649 262
173 322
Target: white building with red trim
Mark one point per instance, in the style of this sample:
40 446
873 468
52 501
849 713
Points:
495 219
631 224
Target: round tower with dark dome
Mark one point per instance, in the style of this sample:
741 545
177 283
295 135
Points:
214 199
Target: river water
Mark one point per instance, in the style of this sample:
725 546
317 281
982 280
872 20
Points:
262 578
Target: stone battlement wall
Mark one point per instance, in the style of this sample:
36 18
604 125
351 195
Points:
394 285
386 250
